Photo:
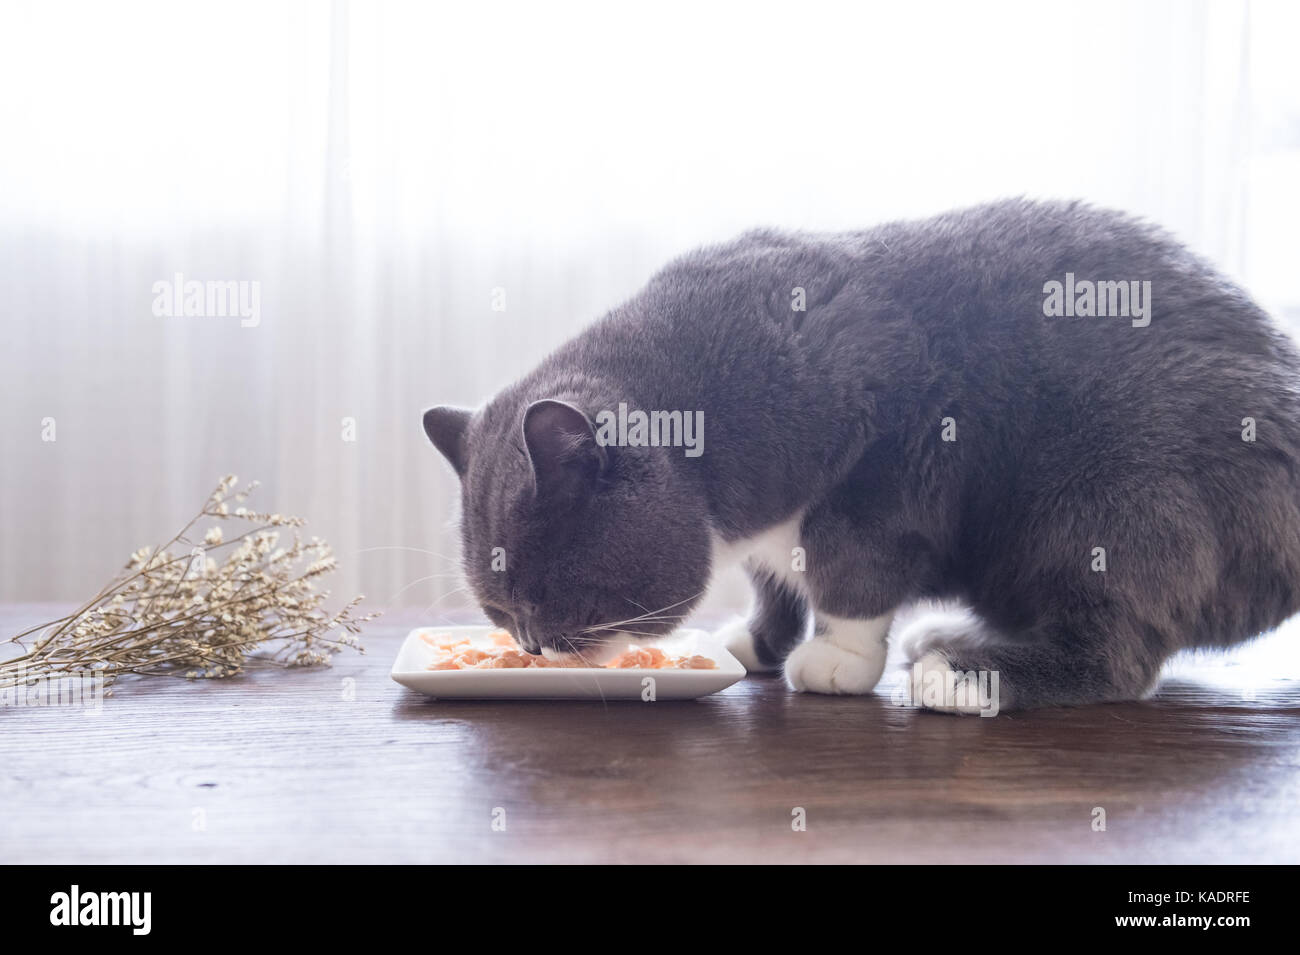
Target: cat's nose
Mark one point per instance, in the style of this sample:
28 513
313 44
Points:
527 639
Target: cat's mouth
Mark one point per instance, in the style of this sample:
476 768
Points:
592 654
585 645
597 647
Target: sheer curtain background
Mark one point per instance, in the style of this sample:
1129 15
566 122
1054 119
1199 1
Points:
381 170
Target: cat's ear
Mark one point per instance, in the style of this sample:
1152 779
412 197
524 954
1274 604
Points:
446 427
567 459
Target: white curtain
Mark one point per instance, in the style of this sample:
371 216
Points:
387 172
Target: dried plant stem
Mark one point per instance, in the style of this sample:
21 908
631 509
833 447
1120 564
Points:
191 615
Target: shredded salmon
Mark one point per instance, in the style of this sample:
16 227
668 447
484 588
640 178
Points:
454 653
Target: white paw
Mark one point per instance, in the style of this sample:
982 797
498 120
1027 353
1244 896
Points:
931 630
819 666
735 636
935 686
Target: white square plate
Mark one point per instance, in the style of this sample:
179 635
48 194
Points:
563 683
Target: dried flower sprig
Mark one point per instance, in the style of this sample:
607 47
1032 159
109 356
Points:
191 614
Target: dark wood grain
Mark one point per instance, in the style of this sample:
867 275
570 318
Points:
281 767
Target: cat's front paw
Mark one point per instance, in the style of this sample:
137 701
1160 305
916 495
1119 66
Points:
819 666
937 686
739 641
948 628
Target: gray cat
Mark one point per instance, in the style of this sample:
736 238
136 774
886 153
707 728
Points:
1052 413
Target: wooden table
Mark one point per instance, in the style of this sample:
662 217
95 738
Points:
306 766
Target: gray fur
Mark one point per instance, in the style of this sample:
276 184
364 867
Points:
1072 433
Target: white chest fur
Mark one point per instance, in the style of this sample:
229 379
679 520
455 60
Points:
776 549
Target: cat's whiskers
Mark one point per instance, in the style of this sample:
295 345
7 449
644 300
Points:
655 616
455 575
573 648
449 593
632 633
617 623
417 550
420 580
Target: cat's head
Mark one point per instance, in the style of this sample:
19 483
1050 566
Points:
567 542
